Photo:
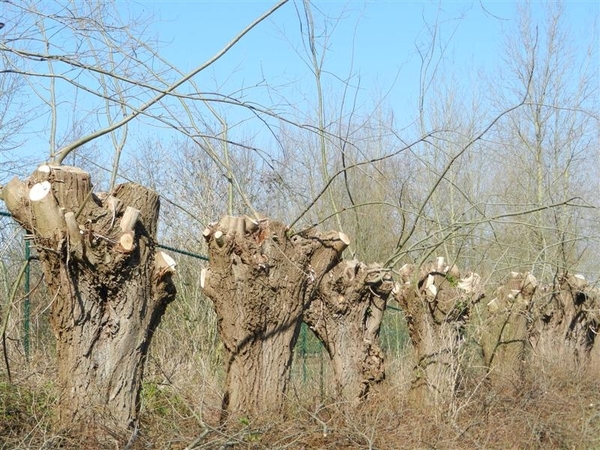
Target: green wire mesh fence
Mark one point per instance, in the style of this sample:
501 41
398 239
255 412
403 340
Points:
310 364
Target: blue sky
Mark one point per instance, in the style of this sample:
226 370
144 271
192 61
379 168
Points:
374 39
372 43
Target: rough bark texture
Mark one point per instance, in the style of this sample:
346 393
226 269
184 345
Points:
505 338
260 281
346 315
582 307
437 305
569 311
107 299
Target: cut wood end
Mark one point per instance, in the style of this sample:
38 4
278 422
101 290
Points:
203 278
15 195
344 238
251 225
44 168
164 262
206 233
530 280
430 285
219 238
39 191
432 290
129 219
469 283
440 261
493 306
127 241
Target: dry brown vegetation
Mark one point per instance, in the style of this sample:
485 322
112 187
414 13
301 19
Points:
498 172
555 404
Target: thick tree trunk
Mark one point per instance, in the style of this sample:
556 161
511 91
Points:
570 314
260 281
581 307
109 286
437 305
505 338
346 316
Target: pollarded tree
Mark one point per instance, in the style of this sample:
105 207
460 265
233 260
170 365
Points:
260 280
346 315
109 284
567 311
437 304
505 332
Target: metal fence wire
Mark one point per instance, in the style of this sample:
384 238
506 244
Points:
20 273
15 282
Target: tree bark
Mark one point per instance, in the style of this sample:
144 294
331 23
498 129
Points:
260 281
570 314
437 304
505 339
346 316
107 298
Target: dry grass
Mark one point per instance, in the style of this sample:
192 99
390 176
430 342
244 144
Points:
556 405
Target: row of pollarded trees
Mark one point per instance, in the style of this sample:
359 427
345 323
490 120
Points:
111 286
444 313
266 280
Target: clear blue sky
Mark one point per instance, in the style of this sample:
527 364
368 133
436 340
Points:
374 39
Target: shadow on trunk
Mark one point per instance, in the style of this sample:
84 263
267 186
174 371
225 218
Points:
437 304
109 285
261 280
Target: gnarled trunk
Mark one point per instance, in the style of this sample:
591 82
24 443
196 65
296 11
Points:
346 316
437 305
260 281
570 313
109 286
506 331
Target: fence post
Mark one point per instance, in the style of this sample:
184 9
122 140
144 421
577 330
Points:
322 372
303 340
26 302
